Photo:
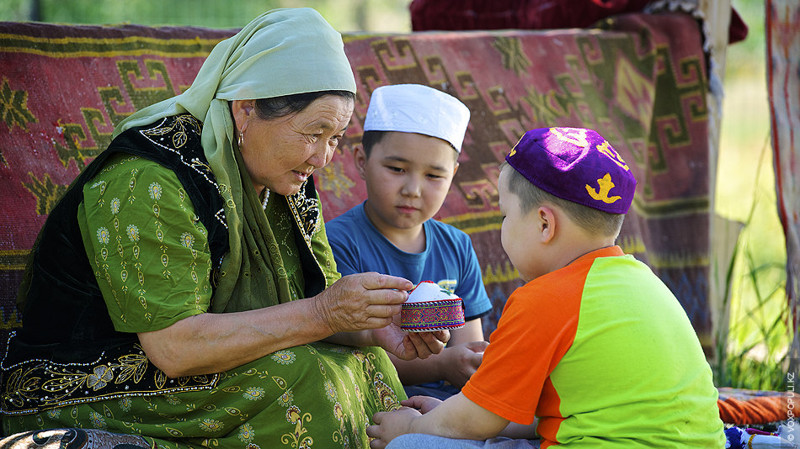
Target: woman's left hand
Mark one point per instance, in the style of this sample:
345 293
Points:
410 345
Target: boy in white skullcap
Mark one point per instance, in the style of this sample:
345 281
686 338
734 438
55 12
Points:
412 139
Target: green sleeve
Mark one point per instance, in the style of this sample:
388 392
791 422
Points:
324 253
147 248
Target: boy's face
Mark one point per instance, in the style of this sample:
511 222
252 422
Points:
518 232
408 176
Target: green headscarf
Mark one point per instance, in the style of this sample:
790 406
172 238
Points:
281 52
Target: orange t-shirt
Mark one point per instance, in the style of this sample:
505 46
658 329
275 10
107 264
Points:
604 355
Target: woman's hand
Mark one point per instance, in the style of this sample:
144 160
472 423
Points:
403 345
361 301
409 345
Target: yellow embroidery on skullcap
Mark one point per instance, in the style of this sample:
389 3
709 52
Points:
575 136
606 184
605 148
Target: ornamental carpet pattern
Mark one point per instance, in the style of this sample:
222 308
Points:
640 80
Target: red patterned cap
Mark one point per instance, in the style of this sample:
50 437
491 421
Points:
575 164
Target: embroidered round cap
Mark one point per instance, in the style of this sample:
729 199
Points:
414 108
430 307
577 165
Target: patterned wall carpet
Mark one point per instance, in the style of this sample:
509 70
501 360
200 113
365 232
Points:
640 80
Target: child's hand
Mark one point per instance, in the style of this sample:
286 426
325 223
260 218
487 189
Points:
422 403
462 360
390 425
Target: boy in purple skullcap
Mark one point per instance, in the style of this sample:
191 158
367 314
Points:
594 346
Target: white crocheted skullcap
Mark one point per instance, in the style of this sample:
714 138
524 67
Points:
414 108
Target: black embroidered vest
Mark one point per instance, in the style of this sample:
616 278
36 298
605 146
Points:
67 350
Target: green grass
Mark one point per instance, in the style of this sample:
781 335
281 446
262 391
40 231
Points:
759 333
760 330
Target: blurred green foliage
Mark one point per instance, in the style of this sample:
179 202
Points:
743 55
344 15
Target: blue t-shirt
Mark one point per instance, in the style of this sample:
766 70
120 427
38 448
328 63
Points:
448 259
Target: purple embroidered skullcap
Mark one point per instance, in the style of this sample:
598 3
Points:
577 165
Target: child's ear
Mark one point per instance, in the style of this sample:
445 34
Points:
546 224
360 158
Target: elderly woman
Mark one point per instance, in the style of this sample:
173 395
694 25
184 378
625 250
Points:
184 289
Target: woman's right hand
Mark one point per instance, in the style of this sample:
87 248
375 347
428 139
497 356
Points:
362 301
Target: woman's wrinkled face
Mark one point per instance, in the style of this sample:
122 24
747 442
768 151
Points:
280 154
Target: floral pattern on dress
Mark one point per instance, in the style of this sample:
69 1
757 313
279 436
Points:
254 394
103 235
187 240
286 399
283 357
133 232
246 433
155 190
115 205
211 425
97 420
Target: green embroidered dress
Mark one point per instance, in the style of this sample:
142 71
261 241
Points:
142 231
